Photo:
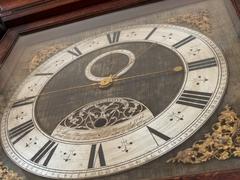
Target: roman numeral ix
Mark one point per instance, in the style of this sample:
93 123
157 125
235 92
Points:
205 63
113 37
47 150
194 98
18 132
96 150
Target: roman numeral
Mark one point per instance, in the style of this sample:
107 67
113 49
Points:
205 63
113 37
157 133
75 51
194 98
43 74
184 41
23 102
46 152
96 150
20 131
148 36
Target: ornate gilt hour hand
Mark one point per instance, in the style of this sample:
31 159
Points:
108 81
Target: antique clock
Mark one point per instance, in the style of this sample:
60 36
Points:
113 100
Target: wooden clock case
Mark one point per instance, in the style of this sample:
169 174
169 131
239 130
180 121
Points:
28 16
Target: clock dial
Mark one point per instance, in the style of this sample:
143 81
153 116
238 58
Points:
132 77
114 101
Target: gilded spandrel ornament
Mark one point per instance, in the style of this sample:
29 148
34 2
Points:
45 53
103 118
6 174
199 19
223 143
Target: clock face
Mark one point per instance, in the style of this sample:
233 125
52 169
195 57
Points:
114 101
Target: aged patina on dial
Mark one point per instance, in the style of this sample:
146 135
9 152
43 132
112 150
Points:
114 101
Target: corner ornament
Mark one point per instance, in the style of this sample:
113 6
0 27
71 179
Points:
6 174
223 143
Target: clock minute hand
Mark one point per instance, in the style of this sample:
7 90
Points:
175 69
68 89
108 81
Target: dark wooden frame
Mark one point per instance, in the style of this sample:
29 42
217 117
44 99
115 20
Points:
39 16
36 16
236 4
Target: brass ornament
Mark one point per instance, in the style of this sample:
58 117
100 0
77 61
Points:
42 55
221 144
199 19
6 174
106 82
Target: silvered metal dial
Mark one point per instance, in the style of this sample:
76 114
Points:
114 101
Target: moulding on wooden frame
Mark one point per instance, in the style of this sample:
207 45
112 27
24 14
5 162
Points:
236 5
72 16
12 33
233 8
38 10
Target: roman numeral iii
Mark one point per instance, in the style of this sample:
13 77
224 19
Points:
205 63
194 98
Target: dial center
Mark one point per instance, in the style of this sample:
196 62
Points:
91 76
106 82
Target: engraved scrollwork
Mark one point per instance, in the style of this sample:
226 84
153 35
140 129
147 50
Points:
103 118
102 114
222 143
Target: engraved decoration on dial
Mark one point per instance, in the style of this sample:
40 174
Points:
103 118
42 154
